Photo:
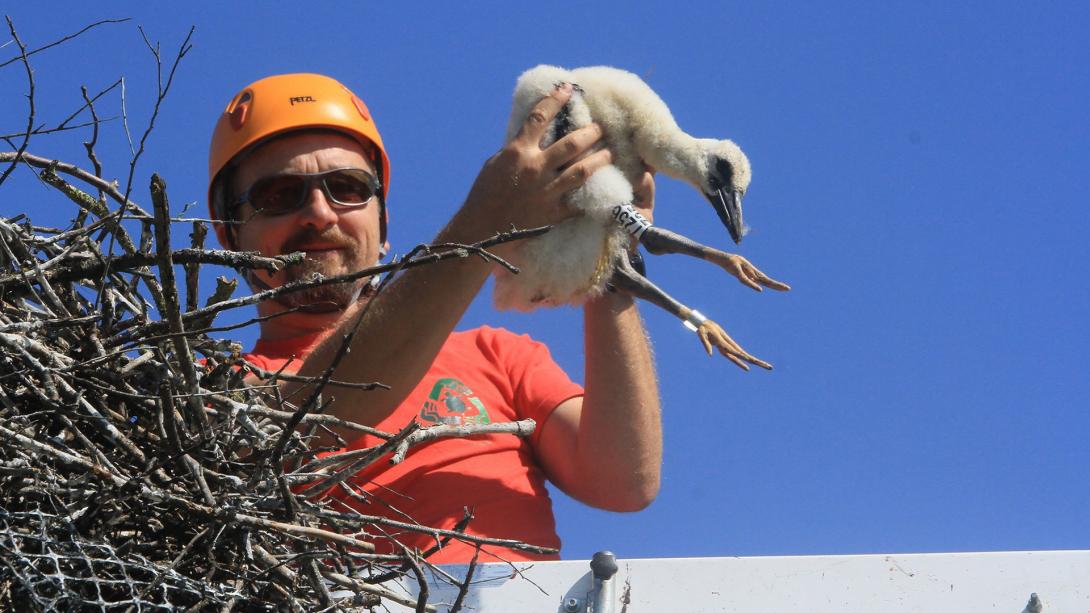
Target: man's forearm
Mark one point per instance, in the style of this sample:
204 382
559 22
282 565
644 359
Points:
619 446
404 328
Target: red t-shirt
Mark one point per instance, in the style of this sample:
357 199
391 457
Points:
480 376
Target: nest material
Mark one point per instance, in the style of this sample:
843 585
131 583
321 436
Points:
137 471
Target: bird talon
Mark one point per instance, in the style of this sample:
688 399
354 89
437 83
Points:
712 333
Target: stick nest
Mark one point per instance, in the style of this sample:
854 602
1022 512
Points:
137 470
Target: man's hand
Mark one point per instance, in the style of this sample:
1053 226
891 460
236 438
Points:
524 185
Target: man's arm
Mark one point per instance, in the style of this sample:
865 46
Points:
605 449
402 331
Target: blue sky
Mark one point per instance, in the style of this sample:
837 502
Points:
920 179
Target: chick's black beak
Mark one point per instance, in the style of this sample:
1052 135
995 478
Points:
728 205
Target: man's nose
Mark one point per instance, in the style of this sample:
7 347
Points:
318 212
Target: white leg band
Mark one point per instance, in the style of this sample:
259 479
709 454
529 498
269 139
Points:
630 219
695 320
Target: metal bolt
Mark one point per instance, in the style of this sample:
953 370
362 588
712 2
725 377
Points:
571 605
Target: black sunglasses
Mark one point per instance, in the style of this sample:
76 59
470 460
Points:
345 188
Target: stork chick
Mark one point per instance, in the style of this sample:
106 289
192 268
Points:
583 255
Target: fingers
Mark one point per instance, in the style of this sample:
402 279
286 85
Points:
577 174
573 146
542 114
644 190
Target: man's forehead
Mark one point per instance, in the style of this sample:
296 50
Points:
301 142
288 149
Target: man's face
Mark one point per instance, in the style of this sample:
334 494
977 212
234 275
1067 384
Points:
336 240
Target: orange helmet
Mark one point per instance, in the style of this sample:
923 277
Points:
283 103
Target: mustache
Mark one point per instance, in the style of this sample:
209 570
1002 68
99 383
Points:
310 236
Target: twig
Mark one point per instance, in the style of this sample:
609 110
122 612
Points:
441 542
523 428
88 103
463 589
265 375
66 38
83 266
359 461
30 98
40 131
170 295
317 418
421 581
75 171
436 532
362 586
90 145
192 270
125 119
161 95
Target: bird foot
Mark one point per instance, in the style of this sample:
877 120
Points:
712 336
740 268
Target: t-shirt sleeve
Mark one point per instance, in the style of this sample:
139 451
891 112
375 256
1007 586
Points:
538 384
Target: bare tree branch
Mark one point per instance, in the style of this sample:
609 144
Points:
65 39
30 99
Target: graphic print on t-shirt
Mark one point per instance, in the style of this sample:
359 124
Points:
451 402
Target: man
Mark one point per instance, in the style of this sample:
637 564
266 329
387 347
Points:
297 164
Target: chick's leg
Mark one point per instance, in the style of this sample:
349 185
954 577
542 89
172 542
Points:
659 241
712 336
